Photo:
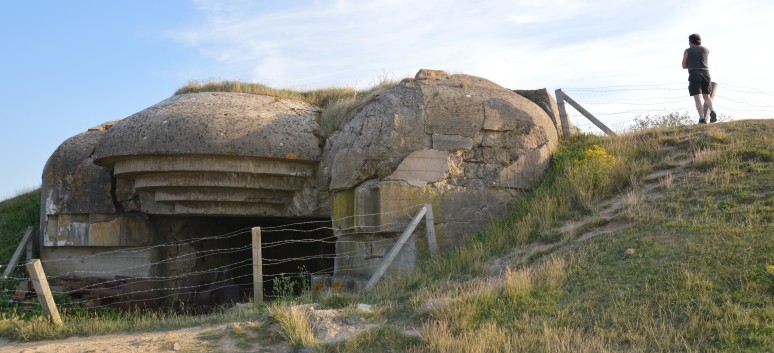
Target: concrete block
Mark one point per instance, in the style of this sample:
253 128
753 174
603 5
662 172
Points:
452 110
320 283
451 142
104 231
398 203
343 209
67 230
367 207
342 284
543 98
136 230
99 230
361 254
90 262
422 167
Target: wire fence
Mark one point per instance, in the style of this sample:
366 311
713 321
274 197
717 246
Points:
214 269
622 108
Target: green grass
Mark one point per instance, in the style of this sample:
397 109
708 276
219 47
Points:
692 270
86 323
338 104
697 280
16 214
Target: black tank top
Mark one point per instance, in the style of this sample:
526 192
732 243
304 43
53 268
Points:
697 58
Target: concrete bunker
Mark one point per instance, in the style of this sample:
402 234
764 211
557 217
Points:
461 143
168 195
164 199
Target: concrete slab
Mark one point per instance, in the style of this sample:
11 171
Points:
361 254
422 167
97 262
443 142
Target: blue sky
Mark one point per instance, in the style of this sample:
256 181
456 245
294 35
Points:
70 65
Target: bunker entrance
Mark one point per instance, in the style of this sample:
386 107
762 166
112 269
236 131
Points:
208 260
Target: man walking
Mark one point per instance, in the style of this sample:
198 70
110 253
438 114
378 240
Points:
695 60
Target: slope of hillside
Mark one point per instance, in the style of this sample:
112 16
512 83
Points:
16 214
655 241
678 258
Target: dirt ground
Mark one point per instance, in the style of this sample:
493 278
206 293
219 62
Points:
192 339
252 336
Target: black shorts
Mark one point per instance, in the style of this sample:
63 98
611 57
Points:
699 82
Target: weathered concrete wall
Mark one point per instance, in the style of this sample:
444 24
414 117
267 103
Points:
191 166
216 123
461 143
79 220
217 154
208 154
78 208
99 262
543 98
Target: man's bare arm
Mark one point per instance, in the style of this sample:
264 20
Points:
685 59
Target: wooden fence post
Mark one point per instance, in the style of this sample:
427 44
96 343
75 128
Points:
17 254
30 249
713 88
432 245
563 113
40 282
257 267
588 115
395 250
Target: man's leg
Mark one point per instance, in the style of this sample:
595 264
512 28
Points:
699 108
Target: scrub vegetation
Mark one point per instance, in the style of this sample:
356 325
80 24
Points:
338 104
658 240
16 214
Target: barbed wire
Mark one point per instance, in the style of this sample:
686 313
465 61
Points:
184 270
624 107
200 254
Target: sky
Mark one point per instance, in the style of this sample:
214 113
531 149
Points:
69 65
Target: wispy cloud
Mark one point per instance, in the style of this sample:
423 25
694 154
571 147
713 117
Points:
518 44
334 41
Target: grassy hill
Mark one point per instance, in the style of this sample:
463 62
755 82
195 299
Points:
16 214
656 241
659 240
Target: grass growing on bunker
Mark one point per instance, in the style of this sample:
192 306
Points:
338 104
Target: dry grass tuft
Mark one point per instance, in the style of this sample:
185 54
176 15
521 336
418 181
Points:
294 322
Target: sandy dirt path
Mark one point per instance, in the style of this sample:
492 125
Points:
182 340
